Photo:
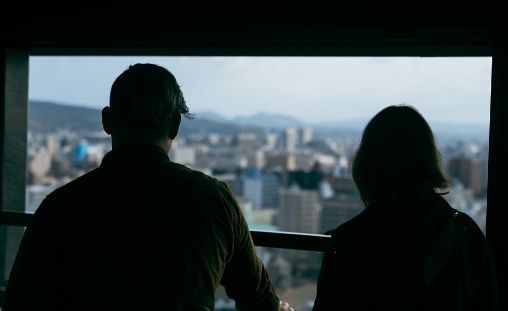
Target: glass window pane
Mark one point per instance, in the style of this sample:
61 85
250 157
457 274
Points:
280 131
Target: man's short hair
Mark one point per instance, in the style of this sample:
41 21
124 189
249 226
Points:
146 99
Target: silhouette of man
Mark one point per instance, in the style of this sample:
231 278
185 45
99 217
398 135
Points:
139 232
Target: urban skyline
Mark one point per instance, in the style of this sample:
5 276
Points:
288 178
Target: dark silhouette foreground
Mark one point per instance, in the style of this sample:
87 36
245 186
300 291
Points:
139 232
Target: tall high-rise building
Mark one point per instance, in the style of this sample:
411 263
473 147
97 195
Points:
270 190
290 139
299 210
261 189
470 172
253 190
305 135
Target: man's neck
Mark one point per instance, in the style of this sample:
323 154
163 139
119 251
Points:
117 143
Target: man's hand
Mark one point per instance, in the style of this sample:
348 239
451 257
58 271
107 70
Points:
284 306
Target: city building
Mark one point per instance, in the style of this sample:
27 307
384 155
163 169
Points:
282 161
469 172
185 155
290 139
305 135
299 210
261 188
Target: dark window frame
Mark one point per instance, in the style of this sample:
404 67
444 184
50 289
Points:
379 42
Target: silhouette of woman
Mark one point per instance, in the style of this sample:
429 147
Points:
409 249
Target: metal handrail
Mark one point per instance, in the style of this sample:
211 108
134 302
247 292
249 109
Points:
275 239
15 219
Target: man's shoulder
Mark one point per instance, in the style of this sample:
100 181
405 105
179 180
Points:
188 176
180 174
80 184
54 206
207 192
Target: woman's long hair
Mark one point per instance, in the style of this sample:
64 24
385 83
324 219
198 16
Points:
397 158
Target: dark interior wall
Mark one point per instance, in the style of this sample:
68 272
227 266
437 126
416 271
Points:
497 212
289 30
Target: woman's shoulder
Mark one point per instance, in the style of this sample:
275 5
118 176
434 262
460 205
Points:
463 220
356 228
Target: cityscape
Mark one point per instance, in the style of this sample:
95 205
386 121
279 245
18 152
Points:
286 176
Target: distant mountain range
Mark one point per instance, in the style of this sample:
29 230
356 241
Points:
261 119
44 117
47 117
337 128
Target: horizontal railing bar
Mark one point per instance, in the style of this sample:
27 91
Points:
290 240
275 239
15 219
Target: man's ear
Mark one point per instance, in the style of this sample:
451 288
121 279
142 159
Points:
174 126
107 120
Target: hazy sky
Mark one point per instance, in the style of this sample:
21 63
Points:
310 88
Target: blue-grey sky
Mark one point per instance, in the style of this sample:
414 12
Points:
312 89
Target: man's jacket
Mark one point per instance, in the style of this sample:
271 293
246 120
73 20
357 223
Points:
138 233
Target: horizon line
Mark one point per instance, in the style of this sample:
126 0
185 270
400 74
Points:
311 123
